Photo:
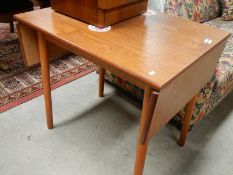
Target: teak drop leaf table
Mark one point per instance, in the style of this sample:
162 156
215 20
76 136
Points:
170 58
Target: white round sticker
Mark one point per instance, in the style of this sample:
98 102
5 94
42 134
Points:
97 29
150 13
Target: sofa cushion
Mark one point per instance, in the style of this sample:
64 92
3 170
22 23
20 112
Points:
176 7
219 23
198 10
227 13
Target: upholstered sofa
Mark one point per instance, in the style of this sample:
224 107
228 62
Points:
41 3
207 12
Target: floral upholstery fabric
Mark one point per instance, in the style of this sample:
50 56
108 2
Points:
195 10
176 7
222 81
215 90
227 13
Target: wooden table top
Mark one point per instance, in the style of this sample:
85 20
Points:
152 49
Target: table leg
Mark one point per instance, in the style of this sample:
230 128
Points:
12 27
186 120
101 81
142 147
43 54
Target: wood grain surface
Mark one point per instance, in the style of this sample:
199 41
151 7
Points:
100 13
109 4
30 49
162 44
180 91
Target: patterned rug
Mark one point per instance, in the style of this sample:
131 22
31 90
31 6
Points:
19 84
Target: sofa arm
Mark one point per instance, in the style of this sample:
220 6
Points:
199 11
176 8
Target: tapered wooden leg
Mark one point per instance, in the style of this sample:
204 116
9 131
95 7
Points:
12 28
101 81
142 147
186 120
43 53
